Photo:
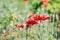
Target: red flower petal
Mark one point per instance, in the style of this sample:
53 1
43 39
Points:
19 25
45 4
30 22
43 0
31 15
43 17
16 25
25 0
28 25
35 17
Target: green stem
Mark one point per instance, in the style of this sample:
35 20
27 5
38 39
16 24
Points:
39 31
26 33
7 8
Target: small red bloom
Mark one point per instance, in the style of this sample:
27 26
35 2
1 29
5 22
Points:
45 4
34 17
16 25
43 17
38 17
30 22
19 25
25 0
43 0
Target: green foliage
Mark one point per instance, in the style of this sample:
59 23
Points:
21 9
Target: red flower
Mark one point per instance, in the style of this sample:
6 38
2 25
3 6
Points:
16 25
34 17
19 25
30 23
45 4
30 15
43 17
43 0
38 17
25 0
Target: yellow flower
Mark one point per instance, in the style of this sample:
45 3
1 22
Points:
14 16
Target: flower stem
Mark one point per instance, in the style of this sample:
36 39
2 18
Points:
26 33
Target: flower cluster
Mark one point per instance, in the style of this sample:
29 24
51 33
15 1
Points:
33 19
38 17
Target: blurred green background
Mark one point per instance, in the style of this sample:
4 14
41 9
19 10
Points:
17 11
